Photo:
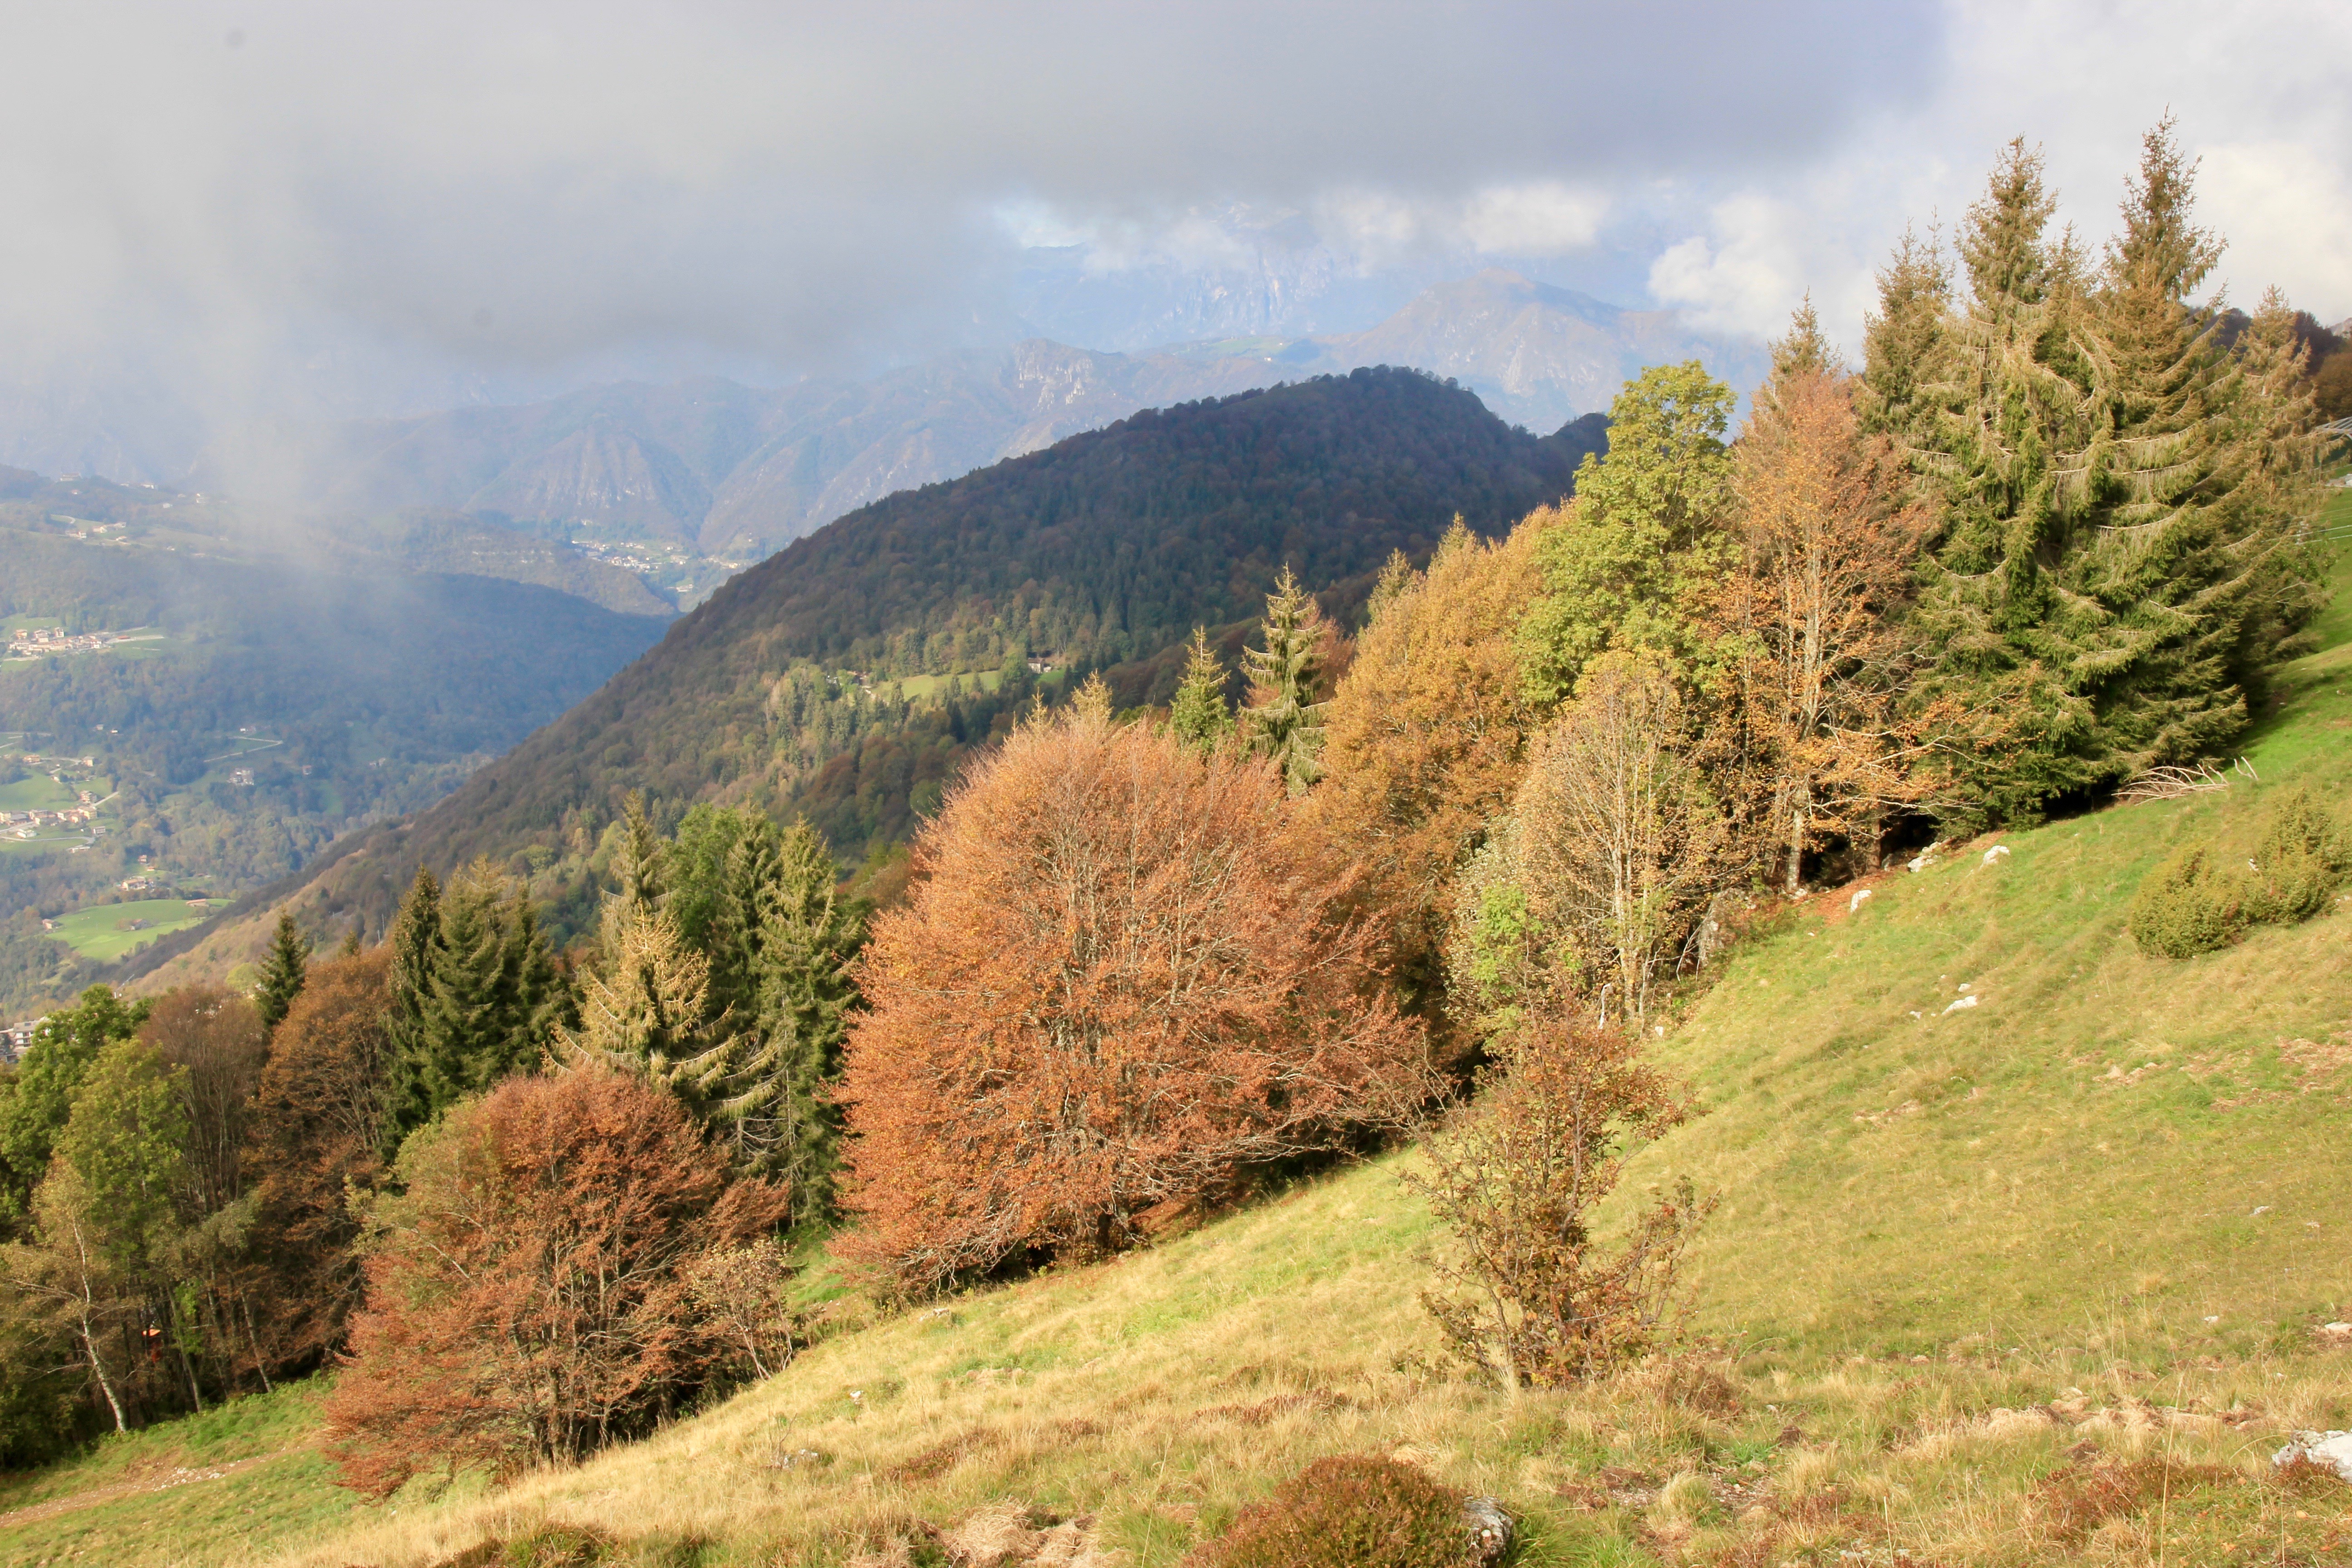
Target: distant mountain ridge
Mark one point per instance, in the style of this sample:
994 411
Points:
732 473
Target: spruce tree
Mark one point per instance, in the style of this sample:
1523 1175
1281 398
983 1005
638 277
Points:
2112 573
639 868
415 953
1283 720
475 998
808 941
1904 337
1199 715
2003 425
283 971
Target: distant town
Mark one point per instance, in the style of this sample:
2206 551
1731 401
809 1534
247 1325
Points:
44 642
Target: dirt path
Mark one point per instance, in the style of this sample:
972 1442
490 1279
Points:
73 1503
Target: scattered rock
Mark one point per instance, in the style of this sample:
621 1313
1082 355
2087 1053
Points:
1854 902
1963 1002
2332 1449
1998 852
1490 1529
1922 863
2332 1333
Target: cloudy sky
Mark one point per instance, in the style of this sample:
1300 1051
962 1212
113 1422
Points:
220 210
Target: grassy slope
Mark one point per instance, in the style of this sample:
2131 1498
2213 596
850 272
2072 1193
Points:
1925 1222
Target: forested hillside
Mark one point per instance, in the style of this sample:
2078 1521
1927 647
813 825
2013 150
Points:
847 673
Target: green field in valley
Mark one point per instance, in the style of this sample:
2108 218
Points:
103 932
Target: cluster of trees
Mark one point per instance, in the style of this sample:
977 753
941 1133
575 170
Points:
533 1199
2051 536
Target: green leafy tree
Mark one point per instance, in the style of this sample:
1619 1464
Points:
124 1155
1283 720
37 1100
1643 537
1199 715
282 971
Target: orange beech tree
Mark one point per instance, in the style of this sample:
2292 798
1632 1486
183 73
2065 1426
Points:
1124 976
559 1273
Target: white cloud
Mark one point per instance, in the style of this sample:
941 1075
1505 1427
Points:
1545 218
2287 211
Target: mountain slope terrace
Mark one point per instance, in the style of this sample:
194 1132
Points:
2032 1281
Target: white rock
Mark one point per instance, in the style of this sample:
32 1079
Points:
1923 862
2333 1449
1996 852
1963 1002
1854 902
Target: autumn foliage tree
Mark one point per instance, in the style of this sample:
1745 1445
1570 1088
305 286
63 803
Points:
317 1127
1426 736
564 1262
1809 621
1122 976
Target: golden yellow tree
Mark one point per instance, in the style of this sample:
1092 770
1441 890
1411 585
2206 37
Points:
1811 613
1426 736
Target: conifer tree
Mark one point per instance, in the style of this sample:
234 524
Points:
489 1002
1199 715
1902 337
808 941
415 953
283 971
639 872
2107 586
1283 720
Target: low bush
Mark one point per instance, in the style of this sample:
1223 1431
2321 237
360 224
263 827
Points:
2187 906
2195 902
2299 863
1351 1512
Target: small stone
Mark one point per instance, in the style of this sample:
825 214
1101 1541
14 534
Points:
1855 902
1998 852
1963 1002
1490 1529
2333 1449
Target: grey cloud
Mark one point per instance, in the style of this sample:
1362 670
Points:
371 203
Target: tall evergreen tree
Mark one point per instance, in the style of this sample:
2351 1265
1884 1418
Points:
476 994
1903 338
2009 415
1283 720
809 939
1199 715
283 971
2103 566
639 872
415 952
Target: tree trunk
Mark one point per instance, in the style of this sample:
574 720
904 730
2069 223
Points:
97 1366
